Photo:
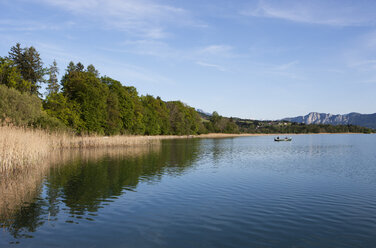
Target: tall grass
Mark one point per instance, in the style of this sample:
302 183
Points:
21 148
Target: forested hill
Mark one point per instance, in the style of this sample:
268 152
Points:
85 102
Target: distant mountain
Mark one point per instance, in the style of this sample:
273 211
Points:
364 120
204 114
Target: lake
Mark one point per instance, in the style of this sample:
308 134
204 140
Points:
315 191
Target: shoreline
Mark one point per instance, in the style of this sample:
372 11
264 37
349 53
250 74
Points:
229 135
22 147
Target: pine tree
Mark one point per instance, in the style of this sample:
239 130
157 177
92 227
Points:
90 68
53 85
30 65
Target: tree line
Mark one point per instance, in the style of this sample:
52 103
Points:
85 102
248 126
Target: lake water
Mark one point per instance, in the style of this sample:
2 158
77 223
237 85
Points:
316 191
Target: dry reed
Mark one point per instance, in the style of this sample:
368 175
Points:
21 147
17 190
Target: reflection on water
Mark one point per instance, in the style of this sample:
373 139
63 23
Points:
317 191
85 180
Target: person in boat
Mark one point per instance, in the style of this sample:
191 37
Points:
278 138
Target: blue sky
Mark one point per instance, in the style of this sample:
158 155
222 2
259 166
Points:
256 59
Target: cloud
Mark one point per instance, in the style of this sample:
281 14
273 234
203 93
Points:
287 70
322 12
218 67
148 47
26 25
287 66
161 49
364 63
216 50
361 55
141 17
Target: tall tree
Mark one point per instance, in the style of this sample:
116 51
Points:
53 85
88 92
71 67
80 67
90 68
30 65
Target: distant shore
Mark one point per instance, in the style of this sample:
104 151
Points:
229 135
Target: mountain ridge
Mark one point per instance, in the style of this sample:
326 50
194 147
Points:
353 118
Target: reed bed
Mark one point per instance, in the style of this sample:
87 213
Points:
21 148
59 141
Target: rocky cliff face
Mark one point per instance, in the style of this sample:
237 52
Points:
365 120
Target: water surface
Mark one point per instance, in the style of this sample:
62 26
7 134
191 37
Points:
316 191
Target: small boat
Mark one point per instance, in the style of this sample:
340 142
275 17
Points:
283 139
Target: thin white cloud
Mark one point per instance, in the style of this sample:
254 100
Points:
287 66
322 12
218 67
364 63
287 70
140 17
361 55
26 25
155 48
216 50
161 49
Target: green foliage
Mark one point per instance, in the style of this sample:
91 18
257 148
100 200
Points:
127 104
86 90
50 123
220 124
21 108
10 76
155 116
136 125
114 122
184 120
53 85
28 62
68 112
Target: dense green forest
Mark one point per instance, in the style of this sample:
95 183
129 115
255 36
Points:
86 103
83 101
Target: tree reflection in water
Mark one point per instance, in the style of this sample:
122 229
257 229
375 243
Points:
80 182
